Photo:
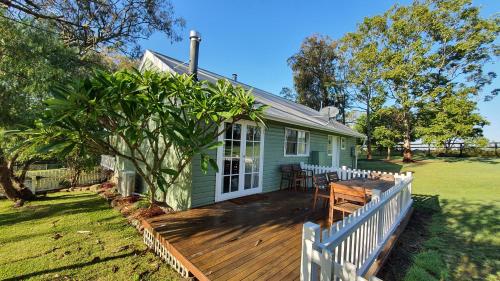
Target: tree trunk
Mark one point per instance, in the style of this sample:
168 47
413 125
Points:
368 131
407 155
388 153
13 190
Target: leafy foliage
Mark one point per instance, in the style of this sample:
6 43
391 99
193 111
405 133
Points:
147 118
318 74
92 25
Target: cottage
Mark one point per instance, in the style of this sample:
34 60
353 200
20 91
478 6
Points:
250 160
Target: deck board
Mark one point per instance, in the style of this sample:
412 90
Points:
259 240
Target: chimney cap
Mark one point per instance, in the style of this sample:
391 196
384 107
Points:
193 34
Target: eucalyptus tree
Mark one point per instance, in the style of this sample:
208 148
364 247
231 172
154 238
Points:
157 121
92 25
432 49
363 80
317 74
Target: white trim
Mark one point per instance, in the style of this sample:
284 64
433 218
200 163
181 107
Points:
219 196
330 145
308 143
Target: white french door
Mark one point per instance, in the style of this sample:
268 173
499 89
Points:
240 161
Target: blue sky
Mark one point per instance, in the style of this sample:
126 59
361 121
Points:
255 38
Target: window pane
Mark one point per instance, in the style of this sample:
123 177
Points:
255 180
227 166
248 181
229 131
234 183
301 148
227 148
301 136
236 148
291 135
329 145
256 164
237 132
248 165
249 150
291 148
235 168
257 134
225 188
250 133
256 149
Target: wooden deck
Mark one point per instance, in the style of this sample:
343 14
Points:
240 240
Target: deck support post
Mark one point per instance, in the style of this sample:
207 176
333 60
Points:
310 235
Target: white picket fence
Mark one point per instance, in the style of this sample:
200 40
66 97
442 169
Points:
346 250
47 180
108 162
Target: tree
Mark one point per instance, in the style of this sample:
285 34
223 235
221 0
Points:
288 94
91 25
363 77
387 128
432 49
31 63
157 121
455 120
316 74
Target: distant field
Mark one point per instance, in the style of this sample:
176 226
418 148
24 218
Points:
454 234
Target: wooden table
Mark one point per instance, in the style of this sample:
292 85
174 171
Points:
373 187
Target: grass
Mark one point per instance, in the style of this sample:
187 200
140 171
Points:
40 241
454 233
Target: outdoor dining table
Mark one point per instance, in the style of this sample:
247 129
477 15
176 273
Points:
373 187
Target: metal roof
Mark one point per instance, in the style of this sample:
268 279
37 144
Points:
280 109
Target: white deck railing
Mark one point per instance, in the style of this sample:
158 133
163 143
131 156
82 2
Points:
108 162
347 249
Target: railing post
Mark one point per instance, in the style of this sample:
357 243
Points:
326 265
310 235
344 173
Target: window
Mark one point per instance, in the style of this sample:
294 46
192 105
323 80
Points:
296 142
329 148
342 143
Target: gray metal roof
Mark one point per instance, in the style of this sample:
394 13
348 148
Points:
280 109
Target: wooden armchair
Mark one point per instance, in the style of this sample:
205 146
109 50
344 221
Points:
301 177
321 189
332 177
346 199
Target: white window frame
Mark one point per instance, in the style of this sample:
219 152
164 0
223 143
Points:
342 143
308 143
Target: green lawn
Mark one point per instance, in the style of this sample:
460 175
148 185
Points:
454 233
40 241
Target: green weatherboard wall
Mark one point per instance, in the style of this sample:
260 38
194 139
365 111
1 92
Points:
196 188
203 185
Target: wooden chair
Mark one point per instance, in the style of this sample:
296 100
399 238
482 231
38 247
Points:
345 199
301 177
321 189
332 177
286 175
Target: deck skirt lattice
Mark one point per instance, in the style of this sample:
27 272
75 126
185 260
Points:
155 244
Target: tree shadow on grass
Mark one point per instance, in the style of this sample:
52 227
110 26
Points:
32 212
446 239
73 266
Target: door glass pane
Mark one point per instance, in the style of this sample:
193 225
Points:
250 133
227 148
236 149
226 185
235 169
227 166
248 181
234 183
255 180
257 134
236 131
229 131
